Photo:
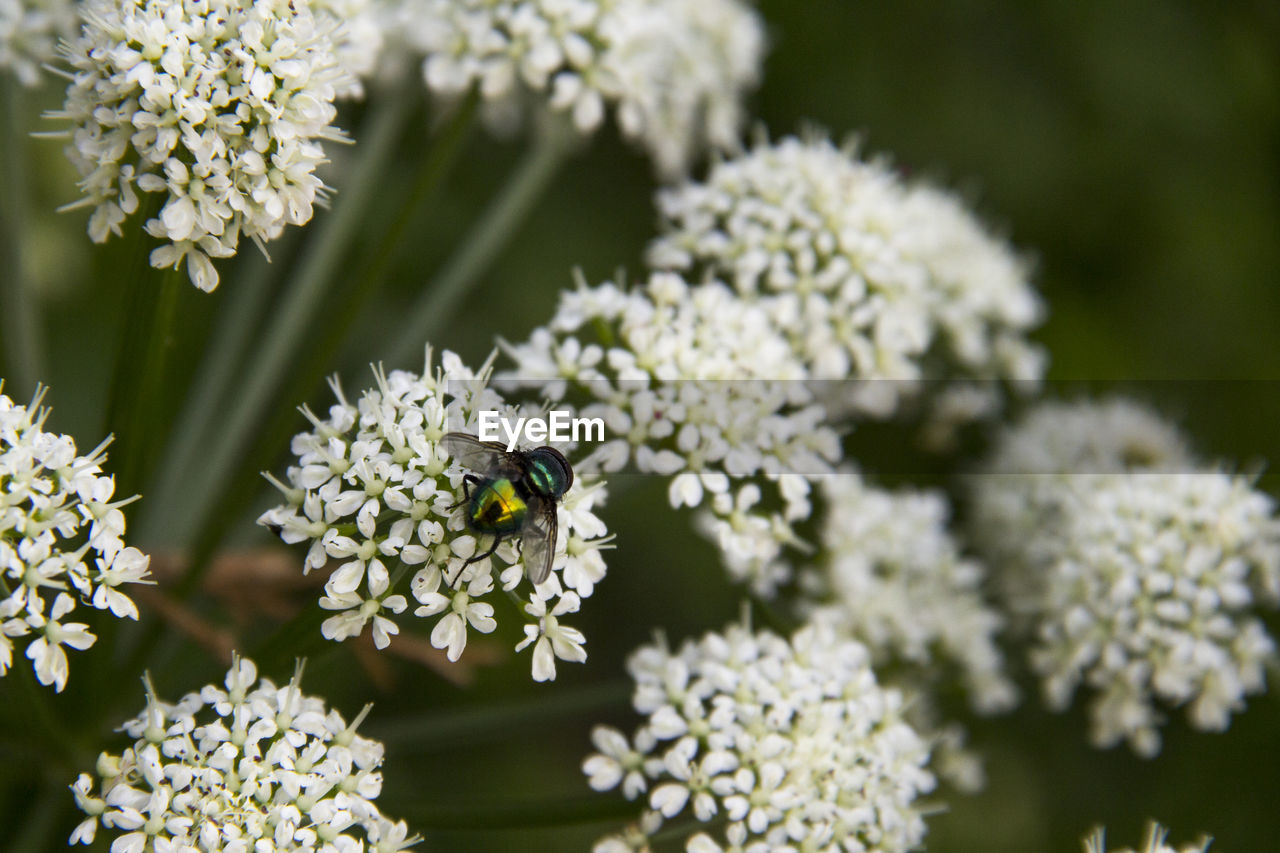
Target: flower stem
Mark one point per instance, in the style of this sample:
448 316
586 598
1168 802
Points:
145 419
217 369
21 327
484 242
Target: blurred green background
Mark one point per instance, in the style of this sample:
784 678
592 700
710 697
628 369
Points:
1133 149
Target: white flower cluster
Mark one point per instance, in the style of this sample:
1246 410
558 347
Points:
357 41
219 107
793 743
674 71
1141 583
61 542
29 31
868 276
1018 493
375 493
253 766
696 384
1154 843
891 576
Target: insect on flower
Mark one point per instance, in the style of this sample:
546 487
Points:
515 491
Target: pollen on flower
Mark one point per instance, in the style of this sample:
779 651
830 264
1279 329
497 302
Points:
217 110
790 744
61 542
674 71
1138 570
380 503
246 759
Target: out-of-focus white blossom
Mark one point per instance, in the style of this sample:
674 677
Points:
374 493
219 107
698 385
891 576
791 744
248 765
357 41
29 33
61 542
1154 843
868 276
673 71
1137 571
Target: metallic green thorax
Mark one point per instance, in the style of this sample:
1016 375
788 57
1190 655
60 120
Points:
497 507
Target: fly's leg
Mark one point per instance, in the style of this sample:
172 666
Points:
497 540
468 480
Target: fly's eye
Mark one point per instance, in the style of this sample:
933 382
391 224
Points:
554 463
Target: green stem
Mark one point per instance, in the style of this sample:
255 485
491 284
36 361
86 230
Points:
160 513
485 240
479 724
21 327
145 420
127 261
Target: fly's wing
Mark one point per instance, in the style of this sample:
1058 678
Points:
470 452
538 539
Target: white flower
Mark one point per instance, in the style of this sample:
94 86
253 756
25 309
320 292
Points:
251 761
1154 843
220 108
373 491
868 277
29 31
45 651
60 537
695 383
792 742
891 576
554 640
674 71
357 40
1139 577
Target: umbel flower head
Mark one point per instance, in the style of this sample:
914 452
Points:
217 108
674 71
375 494
868 276
246 765
696 384
790 743
61 542
29 31
1142 583
891 576
1154 843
